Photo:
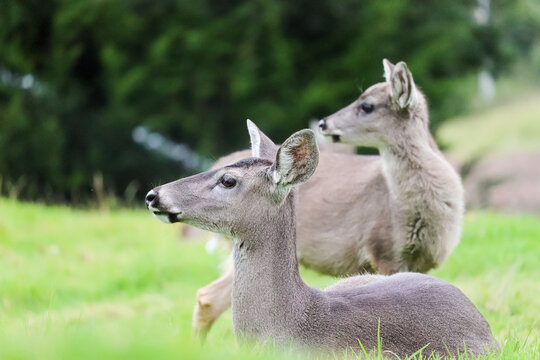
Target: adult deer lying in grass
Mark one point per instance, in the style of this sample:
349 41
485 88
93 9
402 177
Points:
398 212
253 202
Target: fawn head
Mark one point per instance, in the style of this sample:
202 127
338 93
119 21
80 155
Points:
382 113
241 195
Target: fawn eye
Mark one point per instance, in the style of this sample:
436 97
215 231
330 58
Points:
227 181
366 107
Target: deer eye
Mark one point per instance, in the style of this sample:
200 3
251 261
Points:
227 181
367 107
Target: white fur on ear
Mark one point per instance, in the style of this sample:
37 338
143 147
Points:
261 145
388 69
255 139
403 89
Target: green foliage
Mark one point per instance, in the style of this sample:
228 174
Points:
106 285
194 71
519 24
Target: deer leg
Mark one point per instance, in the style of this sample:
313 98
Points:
212 301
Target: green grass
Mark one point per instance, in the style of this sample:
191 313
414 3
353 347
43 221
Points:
509 125
82 284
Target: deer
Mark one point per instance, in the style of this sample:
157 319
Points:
426 193
400 211
253 202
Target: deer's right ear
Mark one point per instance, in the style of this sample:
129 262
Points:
261 145
296 159
402 87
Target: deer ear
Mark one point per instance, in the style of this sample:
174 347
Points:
402 87
296 159
261 145
388 69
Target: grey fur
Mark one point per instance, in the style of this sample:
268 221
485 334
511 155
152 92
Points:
271 302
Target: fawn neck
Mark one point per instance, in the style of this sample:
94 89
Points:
268 292
412 165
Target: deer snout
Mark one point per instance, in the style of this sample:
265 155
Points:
322 124
152 200
324 129
158 209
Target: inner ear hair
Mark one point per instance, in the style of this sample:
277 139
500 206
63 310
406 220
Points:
296 159
403 89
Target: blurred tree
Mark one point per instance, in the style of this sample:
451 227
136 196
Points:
518 22
194 71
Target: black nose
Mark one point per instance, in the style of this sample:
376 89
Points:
151 198
322 124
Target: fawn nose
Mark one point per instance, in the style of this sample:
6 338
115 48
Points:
322 124
151 199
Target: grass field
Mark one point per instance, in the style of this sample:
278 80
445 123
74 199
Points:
83 284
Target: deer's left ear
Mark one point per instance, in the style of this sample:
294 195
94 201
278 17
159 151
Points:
402 87
261 145
296 159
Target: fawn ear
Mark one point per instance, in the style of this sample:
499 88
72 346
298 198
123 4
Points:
296 159
261 145
388 69
402 87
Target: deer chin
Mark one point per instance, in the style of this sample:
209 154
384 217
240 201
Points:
335 138
333 135
167 218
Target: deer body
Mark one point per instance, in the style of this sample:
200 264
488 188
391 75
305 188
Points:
253 202
270 301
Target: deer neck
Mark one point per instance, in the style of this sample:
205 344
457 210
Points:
415 171
268 292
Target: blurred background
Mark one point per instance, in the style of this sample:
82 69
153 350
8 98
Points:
101 100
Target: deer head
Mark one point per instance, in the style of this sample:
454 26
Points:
382 114
241 195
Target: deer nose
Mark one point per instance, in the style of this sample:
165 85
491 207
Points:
322 124
151 199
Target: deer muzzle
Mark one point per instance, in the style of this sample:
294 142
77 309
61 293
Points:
153 204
